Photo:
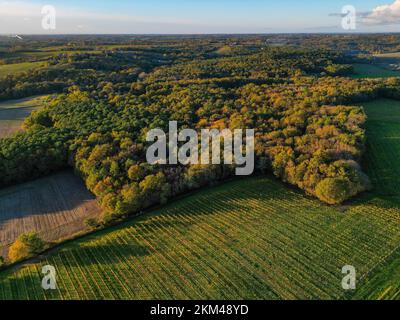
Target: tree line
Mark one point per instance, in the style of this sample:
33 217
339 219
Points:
309 128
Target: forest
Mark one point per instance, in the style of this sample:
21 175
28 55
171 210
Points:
301 101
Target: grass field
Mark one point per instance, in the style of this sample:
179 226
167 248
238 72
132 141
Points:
385 284
55 207
383 129
382 164
252 238
14 112
246 239
15 68
373 71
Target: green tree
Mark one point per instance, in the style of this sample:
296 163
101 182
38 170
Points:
26 246
334 190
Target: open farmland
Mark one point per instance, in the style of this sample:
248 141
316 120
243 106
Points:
382 162
43 53
373 71
251 238
14 112
385 283
55 207
383 129
15 68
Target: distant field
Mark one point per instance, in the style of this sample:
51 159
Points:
43 54
388 55
14 112
55 207
15 68
373 71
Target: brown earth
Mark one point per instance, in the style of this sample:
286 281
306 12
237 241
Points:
55 207
14 112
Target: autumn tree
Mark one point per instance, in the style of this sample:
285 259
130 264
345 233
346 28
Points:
26 246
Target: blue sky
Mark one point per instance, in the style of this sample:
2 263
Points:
195 16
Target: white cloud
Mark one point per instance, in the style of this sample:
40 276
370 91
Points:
387 14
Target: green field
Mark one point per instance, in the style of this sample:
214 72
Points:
256 240
15 68
382 162
373 71
385 284
251 238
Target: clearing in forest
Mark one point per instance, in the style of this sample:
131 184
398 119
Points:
373 71
15 68
14 112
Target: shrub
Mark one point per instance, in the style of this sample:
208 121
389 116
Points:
26 246
334 190
92 223
2 262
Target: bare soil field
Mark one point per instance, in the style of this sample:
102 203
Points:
55 207
14 112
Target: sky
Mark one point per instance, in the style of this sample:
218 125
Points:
195 16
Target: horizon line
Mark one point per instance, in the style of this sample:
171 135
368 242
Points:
201 34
